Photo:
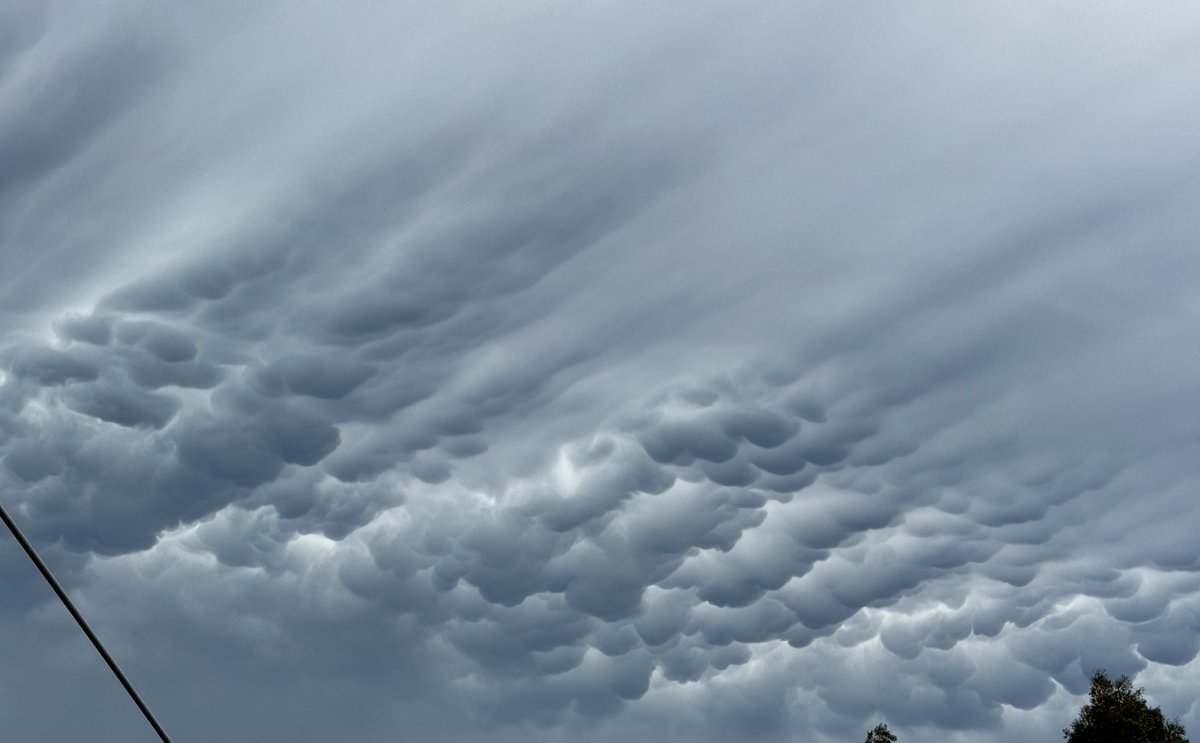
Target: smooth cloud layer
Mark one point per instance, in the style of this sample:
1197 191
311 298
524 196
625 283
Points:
601 374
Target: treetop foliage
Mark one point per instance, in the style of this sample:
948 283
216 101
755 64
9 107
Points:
1118 712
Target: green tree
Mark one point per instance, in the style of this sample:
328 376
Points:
881 734
1118 712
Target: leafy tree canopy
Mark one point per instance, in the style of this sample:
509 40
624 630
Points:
1118 712
881 734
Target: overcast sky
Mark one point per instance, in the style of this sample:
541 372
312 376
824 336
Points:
598 371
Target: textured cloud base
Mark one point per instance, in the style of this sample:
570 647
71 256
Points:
598 373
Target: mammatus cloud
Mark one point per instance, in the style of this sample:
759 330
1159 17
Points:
602 374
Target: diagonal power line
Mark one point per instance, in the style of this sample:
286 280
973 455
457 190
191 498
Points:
62 595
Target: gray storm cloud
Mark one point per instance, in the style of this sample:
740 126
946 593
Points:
752 373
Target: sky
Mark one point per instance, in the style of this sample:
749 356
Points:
530 371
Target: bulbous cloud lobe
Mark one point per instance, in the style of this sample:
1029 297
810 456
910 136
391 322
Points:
573 372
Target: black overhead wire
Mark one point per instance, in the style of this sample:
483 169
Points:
62 596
